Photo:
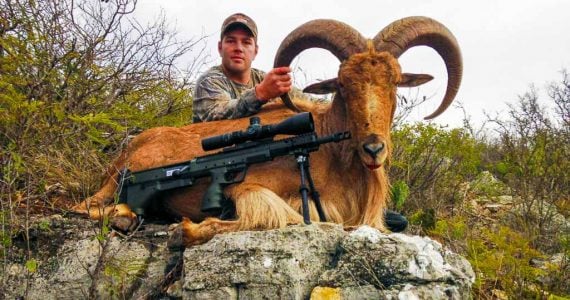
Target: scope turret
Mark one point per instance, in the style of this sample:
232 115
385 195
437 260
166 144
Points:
297 124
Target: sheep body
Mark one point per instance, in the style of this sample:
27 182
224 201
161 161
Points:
262 201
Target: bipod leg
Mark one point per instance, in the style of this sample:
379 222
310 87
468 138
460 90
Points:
302 160
315 194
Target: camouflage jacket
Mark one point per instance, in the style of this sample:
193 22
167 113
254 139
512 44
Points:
216 97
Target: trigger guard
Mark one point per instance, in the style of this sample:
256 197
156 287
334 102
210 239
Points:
235 179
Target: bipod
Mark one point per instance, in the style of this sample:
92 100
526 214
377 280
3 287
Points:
303 162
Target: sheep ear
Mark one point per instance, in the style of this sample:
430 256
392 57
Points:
412 80
321 88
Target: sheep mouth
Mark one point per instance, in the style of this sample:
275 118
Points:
373 167
372 164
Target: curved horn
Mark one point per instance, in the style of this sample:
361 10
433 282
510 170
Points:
406 33
337 37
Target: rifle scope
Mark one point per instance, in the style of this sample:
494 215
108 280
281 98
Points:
297 124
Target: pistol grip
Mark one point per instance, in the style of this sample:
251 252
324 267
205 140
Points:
212 201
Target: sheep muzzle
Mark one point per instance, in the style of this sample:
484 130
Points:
373 151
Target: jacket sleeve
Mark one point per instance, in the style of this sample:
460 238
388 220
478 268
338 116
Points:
213 101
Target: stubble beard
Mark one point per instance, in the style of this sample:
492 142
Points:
235 70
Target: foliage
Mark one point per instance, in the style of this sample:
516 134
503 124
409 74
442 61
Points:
399 193
502 259
434 163
32 265
424 218
451 229
533 150
82 76
85 71
525 160
120 273
77 80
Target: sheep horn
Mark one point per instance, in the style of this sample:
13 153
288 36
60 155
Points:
339 38
406 33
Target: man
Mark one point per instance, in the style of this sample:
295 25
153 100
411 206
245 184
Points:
234 89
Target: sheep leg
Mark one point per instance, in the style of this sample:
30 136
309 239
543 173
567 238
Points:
257 208
102 205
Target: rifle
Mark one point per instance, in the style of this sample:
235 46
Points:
241 149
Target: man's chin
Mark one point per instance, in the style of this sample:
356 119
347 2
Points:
234 70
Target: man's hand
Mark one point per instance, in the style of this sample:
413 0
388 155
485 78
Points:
276 83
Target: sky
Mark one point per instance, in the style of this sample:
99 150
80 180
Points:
506 45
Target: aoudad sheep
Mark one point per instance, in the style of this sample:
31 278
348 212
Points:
350 176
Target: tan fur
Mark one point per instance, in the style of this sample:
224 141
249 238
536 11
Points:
351 194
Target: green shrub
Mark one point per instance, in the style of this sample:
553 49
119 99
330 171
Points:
77 80
531 156
72 93
434 163
399 192
501 258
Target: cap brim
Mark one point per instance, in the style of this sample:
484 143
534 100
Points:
239 24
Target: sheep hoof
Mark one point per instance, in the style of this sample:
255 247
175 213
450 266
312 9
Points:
123 223
182 235
350 228
176 239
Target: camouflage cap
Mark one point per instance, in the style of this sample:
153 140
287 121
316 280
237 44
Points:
239 19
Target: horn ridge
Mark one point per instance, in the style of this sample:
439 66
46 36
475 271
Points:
403 34
337 37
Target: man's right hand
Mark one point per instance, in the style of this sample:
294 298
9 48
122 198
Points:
276 83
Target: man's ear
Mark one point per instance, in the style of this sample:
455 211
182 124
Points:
412 80
220 48
324 87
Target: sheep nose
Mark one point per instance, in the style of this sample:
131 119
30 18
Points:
373 148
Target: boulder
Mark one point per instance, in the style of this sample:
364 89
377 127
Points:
319 261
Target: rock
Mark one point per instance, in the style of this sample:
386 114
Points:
398 265
558 261
486 184
264 264
541 212
89 264
288 263
494 207
320 261
499 294
326 293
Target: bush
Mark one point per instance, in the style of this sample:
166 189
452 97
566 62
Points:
532 152
444 172
434 163
77 80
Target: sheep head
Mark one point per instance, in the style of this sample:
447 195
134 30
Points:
369 75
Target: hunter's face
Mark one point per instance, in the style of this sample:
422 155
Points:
237 49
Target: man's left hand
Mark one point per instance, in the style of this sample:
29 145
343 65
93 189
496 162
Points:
276 83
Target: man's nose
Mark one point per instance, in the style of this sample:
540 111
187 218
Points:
239 47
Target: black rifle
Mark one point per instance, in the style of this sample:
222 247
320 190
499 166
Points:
229 166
